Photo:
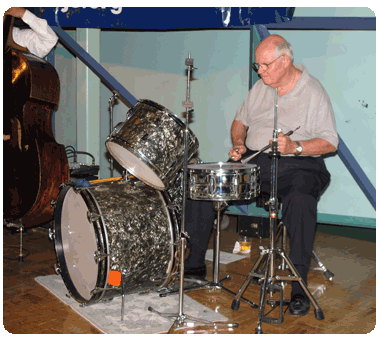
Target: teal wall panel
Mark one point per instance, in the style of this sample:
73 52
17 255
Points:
66 115
88 98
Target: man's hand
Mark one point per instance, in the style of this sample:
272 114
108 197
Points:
285 144
17 12
236 152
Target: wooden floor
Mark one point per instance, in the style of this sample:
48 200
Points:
348 302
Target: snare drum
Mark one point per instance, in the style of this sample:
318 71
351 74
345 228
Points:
114 226
150 144
223 181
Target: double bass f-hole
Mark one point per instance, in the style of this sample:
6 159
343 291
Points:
16 138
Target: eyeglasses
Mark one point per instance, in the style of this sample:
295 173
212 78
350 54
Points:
256 66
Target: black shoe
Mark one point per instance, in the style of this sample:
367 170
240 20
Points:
299 305
196 273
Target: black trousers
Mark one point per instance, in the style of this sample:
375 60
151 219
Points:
300 182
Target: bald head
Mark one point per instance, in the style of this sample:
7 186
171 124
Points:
275 44
274 62
270 42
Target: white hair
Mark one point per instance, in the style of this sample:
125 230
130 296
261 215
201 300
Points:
284 47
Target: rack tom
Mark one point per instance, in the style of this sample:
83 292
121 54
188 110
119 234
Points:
150 144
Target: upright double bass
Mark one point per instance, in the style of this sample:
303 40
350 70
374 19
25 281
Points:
34 164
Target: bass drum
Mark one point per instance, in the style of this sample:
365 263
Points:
115 226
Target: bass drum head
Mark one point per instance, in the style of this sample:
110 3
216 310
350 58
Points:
76 244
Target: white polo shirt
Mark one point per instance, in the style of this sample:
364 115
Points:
307 105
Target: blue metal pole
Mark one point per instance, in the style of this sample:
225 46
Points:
357 172
91 63
262 31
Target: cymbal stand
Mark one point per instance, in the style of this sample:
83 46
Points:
181 318
269 278
111 103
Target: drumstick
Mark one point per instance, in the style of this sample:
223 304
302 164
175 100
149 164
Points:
106 180
266 147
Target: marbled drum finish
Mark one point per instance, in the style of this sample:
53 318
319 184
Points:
156 136
141 233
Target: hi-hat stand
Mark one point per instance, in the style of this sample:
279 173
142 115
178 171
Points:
269 278
181 318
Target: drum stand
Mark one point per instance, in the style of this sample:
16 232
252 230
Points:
215 283
18 224
270 255
181 318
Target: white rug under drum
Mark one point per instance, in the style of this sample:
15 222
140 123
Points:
106 317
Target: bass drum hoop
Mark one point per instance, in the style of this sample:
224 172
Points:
102 244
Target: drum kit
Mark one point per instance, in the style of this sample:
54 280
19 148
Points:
133 227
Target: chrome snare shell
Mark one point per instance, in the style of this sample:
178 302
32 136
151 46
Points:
223 181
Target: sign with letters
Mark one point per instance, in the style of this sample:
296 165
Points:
163 18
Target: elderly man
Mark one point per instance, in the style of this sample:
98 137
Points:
302 174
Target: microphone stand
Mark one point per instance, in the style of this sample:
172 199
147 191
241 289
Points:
181 318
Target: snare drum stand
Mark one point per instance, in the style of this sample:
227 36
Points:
219 206
269 278
181 318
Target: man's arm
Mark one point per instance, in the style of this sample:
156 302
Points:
40 39
316 146
238 135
